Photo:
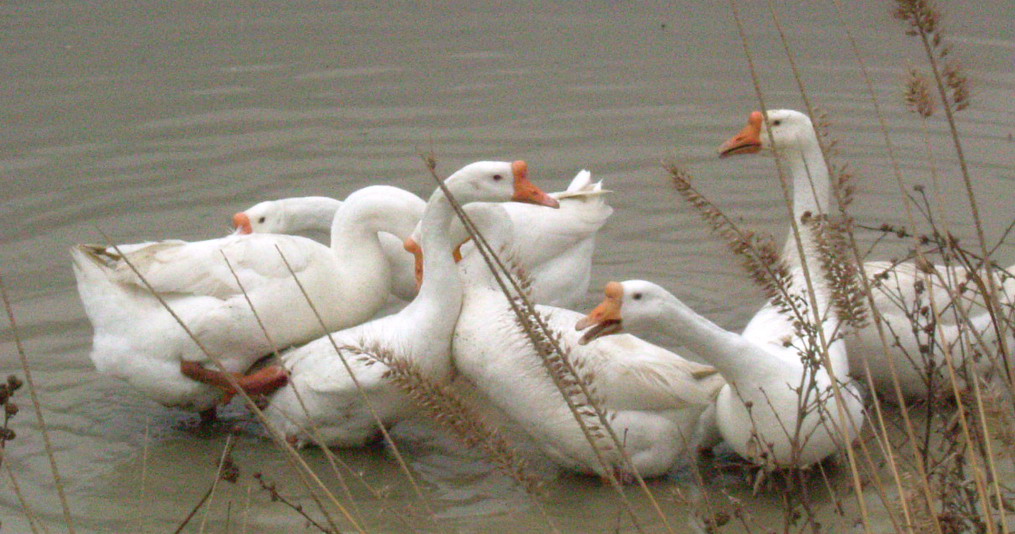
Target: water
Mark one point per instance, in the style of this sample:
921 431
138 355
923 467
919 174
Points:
154 120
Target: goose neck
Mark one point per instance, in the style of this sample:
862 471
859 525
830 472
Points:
733 355
440 274
309 213
811 187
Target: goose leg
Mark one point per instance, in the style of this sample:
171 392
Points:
262 382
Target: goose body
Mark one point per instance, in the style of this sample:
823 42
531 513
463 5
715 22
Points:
555 249
653 396
893 285
315 214
771 368
138 341
757 412
322 396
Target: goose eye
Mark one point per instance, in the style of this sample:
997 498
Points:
261 220
637 296
776 122
497 177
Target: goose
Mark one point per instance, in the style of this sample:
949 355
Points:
322 395
555 249
893 284
653 396
136 339
314 214
757 410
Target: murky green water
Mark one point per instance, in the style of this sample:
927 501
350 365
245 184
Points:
153 120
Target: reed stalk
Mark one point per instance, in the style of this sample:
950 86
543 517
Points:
307 475
29 514
546 345
823 343
403 465
34 395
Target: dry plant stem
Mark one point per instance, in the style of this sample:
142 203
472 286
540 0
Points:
193 511
144 475
228 448
978 475
332 460
276 496
359 388
57 479
437 401
499 271
811 293
29 515
994 306
865 280
307 475
863 276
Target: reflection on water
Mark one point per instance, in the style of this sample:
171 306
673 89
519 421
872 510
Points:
155 120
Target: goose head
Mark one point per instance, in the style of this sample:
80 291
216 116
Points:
497 181
485 181
637 302
790 130
263 217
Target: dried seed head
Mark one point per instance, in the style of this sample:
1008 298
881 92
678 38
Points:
918 97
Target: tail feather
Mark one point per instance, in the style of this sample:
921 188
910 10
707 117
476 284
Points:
106 301
582 186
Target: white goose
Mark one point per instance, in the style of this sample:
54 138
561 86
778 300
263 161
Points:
757 412
310 214
893 284
555 249
654 397
138 341
420 333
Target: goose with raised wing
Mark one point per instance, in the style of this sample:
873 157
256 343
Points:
137 340
323 399
653 397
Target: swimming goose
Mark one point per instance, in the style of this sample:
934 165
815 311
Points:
138 341
893 284
420 333
757 411
653 396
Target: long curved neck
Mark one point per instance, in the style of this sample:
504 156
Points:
811 190
736 358
309 213
354 238
440 295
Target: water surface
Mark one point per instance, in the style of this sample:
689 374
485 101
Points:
153 120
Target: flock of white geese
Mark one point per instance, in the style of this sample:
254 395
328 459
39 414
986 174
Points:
747 390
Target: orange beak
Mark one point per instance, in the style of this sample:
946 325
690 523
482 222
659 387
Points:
526 191
748 141
605 319
410 245
242 223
